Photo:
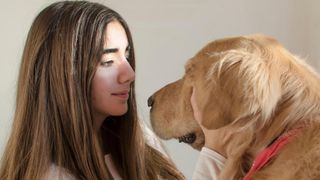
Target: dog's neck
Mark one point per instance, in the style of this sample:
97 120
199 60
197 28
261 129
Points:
270 134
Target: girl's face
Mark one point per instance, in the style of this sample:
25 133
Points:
112 79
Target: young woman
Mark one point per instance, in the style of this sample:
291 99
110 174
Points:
76 114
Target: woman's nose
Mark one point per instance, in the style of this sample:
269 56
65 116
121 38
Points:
127 74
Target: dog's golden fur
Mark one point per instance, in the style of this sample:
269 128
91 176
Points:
256 84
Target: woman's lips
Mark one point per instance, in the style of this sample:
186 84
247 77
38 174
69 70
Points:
122 95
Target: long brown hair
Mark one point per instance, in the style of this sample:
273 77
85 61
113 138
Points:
53 120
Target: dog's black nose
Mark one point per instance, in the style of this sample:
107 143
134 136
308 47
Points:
150 101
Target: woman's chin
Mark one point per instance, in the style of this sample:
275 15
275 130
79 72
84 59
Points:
119 112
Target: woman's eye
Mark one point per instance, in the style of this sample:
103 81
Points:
107 63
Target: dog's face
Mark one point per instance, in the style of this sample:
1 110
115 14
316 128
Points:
220 73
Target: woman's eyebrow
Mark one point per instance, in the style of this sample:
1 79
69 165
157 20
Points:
110 50
113 50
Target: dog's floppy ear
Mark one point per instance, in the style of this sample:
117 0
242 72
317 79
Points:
251 77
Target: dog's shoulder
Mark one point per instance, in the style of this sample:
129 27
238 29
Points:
300 159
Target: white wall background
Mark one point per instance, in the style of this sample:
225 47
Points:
166 33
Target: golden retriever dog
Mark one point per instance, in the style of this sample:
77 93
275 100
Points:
254 83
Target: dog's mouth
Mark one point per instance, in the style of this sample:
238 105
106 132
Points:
189 138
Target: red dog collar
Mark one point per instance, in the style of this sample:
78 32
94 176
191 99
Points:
267 154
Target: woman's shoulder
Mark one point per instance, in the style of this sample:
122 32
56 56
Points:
58 173
152 140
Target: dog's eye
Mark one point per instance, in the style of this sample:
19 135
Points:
189 138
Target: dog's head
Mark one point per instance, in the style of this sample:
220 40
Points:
235 78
